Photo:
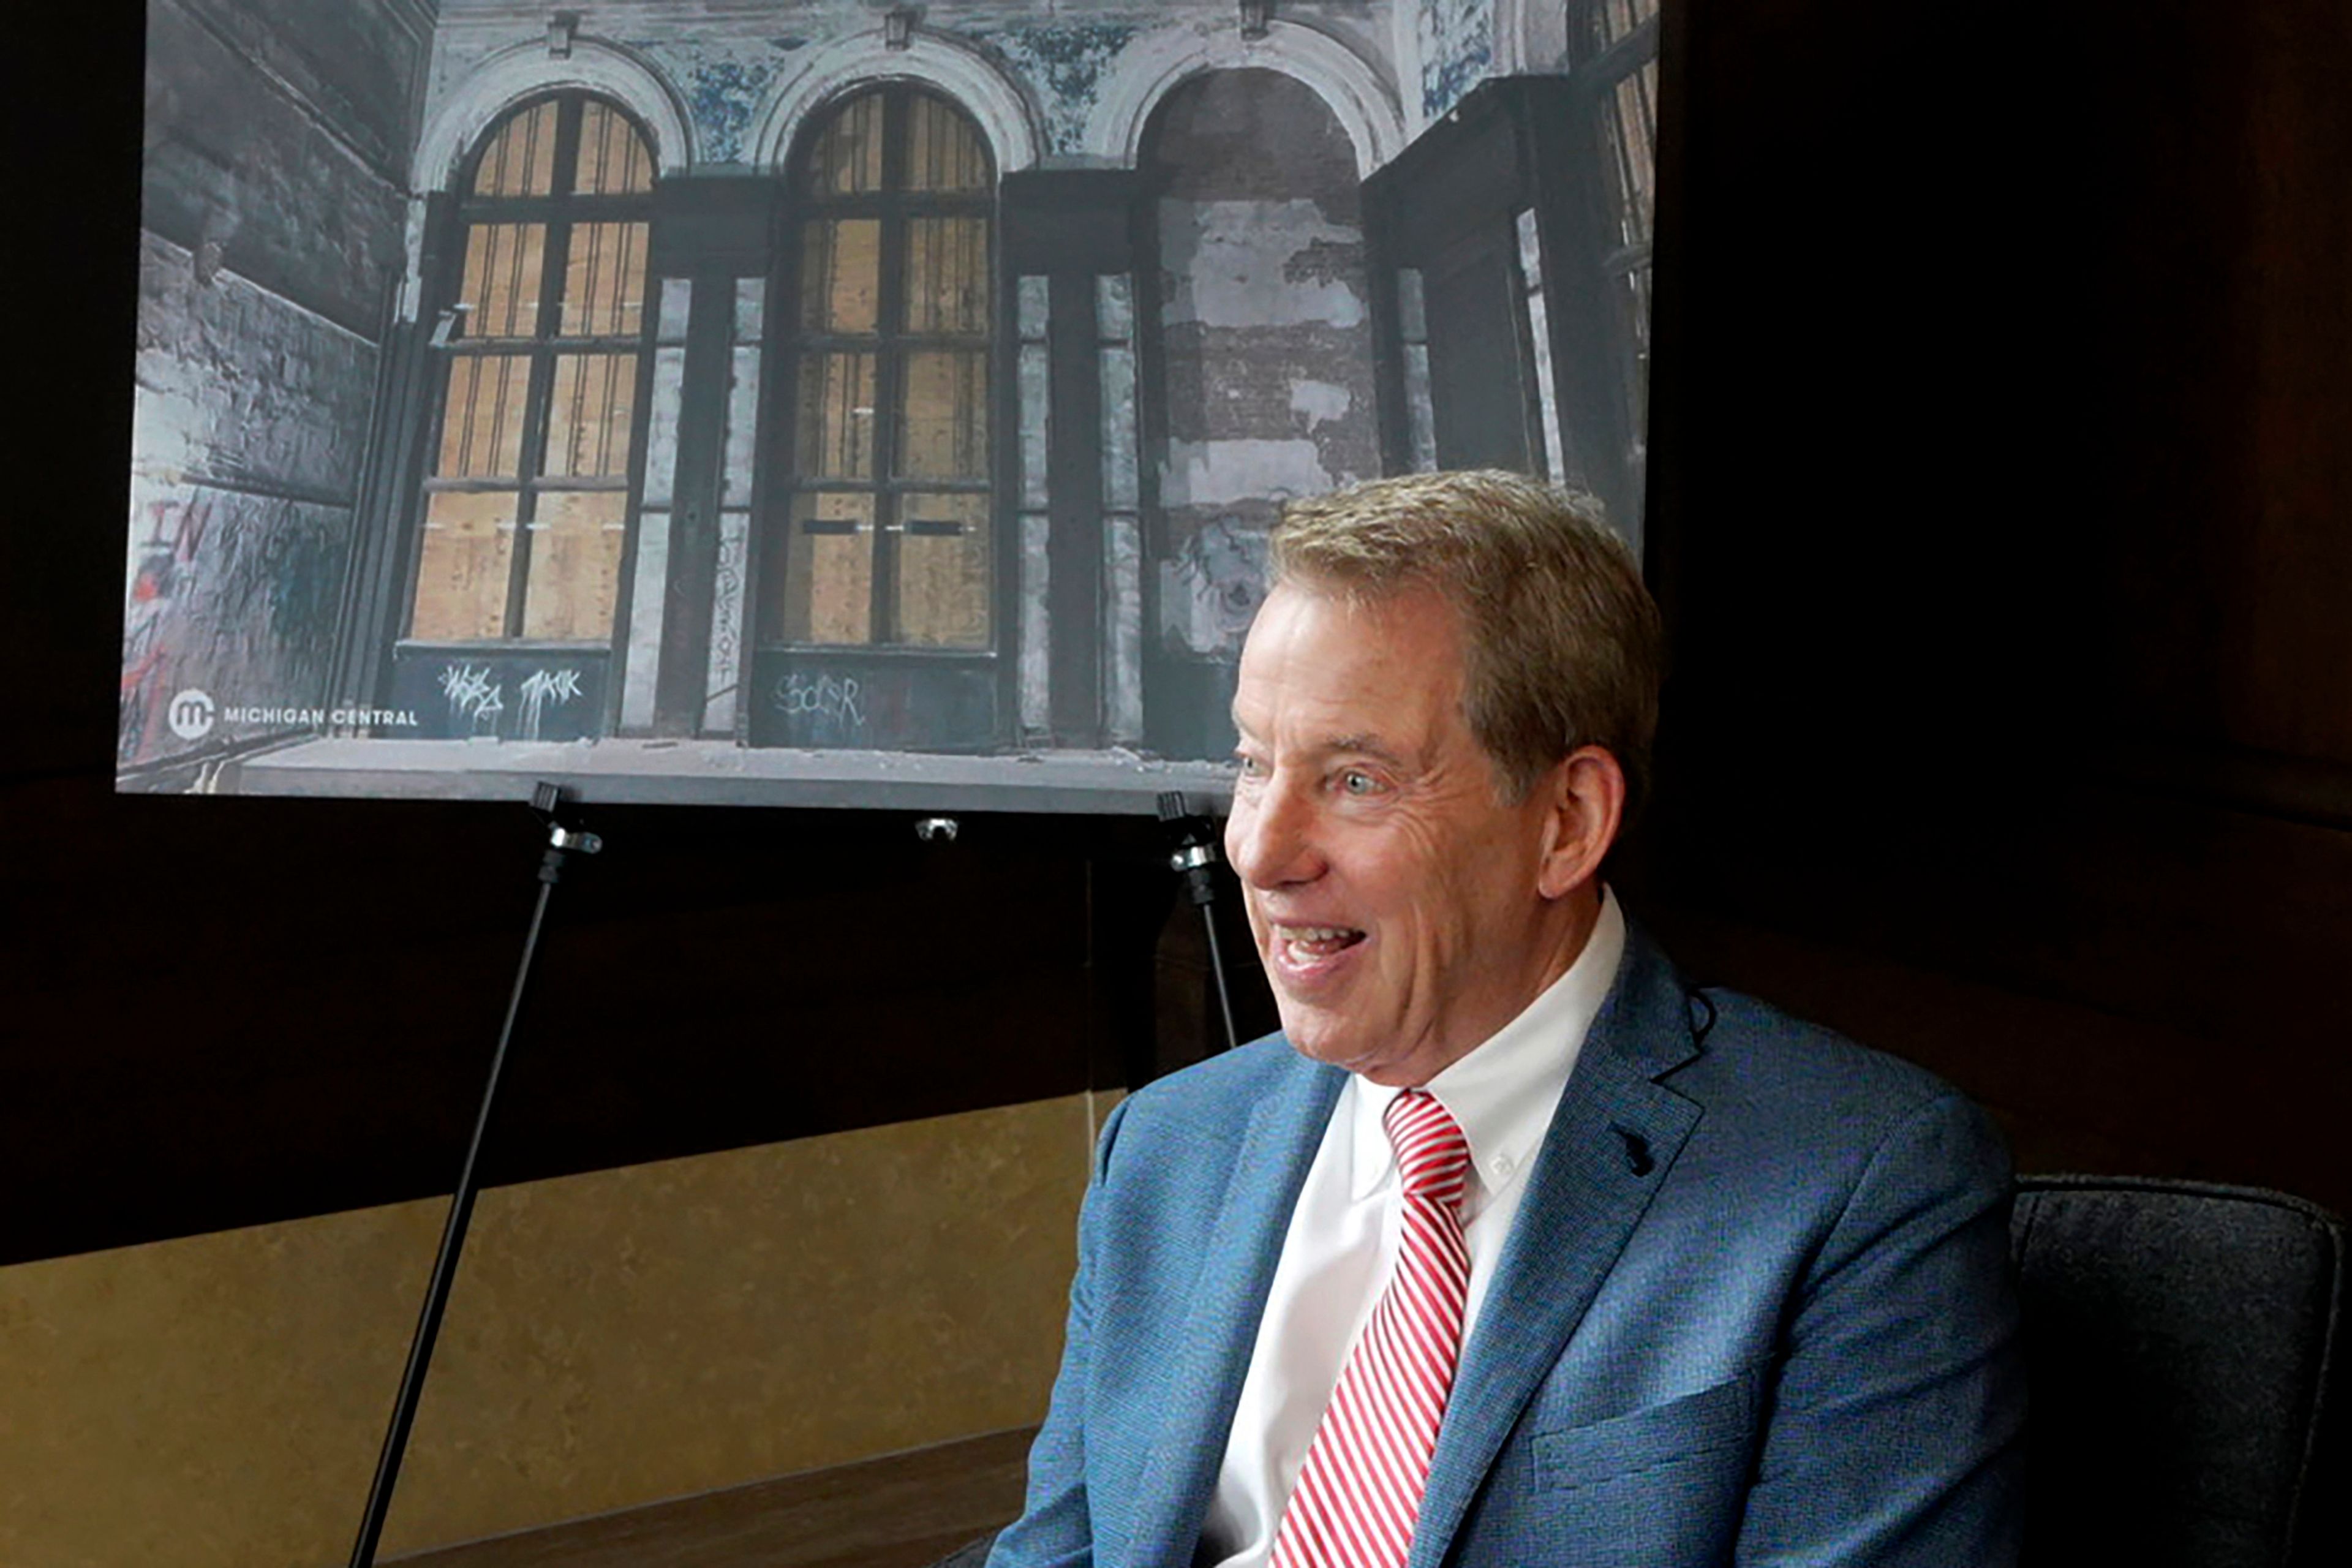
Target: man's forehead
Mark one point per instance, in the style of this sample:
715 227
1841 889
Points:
1306 715
1350 668
1326 740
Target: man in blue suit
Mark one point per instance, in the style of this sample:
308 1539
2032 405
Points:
1706 1285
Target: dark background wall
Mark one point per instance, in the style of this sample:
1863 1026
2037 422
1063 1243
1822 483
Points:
1999 504
2004 519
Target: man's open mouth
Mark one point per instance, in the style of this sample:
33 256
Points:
1304 945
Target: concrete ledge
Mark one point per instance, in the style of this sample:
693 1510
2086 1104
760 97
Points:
720 772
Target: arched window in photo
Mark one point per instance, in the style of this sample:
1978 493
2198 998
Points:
882 542
538 357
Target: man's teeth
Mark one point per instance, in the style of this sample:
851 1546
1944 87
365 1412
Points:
1316 941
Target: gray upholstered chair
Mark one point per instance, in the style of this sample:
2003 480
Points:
2182 1340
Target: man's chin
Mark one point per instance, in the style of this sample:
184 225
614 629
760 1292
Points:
1320 1037
1309 1034
1380 1057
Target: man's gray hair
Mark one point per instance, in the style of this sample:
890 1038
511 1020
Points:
1564 646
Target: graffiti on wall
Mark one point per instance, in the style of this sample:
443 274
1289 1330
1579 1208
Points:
818 696
1457 46
232 597
166 568
476 701
477 698
545 691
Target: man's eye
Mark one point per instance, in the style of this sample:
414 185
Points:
1249 767
1357 782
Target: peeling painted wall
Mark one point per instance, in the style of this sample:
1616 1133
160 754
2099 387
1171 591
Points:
721 81
1457 40
720 57
1266 361
1267 357
272 242
1065 66
721 61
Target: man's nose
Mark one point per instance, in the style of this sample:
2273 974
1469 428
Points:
1270 838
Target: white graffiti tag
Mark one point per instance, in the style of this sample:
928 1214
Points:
824 696
472 694
542 690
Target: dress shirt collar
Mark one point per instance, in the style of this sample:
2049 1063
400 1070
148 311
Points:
1504 1090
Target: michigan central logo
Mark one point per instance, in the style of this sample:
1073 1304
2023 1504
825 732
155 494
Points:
190 714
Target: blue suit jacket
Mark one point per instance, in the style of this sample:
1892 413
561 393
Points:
1755 1308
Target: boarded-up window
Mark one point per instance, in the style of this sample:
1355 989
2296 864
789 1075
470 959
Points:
539 357
885 536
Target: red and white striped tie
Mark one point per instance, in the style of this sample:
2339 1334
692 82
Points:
1358 1491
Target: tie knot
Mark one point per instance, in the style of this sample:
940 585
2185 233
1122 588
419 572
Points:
1430 1150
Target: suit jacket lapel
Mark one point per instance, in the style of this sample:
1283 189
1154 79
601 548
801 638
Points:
1213 1356
1611 1141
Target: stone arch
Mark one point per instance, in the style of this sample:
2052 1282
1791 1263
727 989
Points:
526 70
1152 67
948 65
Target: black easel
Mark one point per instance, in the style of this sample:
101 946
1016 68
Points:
562 839
1194 859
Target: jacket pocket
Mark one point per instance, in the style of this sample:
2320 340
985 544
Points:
1712 1425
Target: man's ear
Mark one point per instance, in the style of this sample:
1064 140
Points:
1584 795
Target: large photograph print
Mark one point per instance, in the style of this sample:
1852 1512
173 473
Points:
823 403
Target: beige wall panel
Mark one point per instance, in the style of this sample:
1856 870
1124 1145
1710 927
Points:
613 1338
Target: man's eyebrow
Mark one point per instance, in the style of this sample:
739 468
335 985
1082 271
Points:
1365 744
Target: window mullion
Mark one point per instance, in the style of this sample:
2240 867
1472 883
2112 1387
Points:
538 399
889 369
536 402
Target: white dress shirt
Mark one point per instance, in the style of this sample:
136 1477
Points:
1342 1241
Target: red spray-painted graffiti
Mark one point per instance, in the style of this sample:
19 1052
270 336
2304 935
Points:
167 570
